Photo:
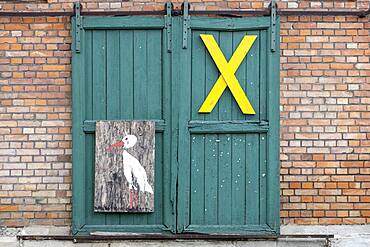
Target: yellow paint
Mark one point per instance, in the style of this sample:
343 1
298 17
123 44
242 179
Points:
227 77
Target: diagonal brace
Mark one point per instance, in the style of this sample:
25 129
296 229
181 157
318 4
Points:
227 77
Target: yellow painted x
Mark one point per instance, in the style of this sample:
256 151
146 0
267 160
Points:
227 77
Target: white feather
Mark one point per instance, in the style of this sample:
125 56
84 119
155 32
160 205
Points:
132 167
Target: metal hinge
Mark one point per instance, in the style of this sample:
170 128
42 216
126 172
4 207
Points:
186 23
168 25
77 8
273 9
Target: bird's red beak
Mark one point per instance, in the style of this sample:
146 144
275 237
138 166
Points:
117 144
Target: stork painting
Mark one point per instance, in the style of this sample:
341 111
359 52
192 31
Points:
124 166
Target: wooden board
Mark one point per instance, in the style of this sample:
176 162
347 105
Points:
124 166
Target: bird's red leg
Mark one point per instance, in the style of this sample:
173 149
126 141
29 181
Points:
136 199
130 198
144 206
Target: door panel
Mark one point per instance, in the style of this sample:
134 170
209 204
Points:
223 184
123 75
205 73
224 160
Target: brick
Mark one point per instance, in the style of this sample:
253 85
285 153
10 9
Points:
320 39
54 68
326 25
8 208
16 53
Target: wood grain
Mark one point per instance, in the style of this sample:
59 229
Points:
112 191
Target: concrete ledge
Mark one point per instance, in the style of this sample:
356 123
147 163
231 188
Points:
336 230
8 242
183 243
342 236
45 230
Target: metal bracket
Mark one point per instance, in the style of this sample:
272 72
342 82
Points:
77 8
186 23
273 9
168 25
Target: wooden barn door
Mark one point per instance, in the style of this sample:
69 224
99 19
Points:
229 161
121 71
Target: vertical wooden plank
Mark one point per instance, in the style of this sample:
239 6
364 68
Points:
211 146
87 103
252 178
197 174
240 74
273 95
154 72
113 91
211 179
252 82
211 75
225 179
168 168
183 92
263 74
198 92
99 84
92 218
140 87
95 109
264 71
262 177
238 181
156 216
126 66
180 175
140 74
113 75
140 104
99 75
225 144
225 103
155 111
79 177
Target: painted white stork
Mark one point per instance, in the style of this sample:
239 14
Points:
132 168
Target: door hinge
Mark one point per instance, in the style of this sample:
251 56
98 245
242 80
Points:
168 25
186 23
77 9
273 10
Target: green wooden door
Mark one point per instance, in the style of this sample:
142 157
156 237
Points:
215 172
121 72
229 162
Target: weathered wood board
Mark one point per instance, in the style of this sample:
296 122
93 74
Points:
124 166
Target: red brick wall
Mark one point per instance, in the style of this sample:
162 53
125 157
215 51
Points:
325 112
325 120
35 126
